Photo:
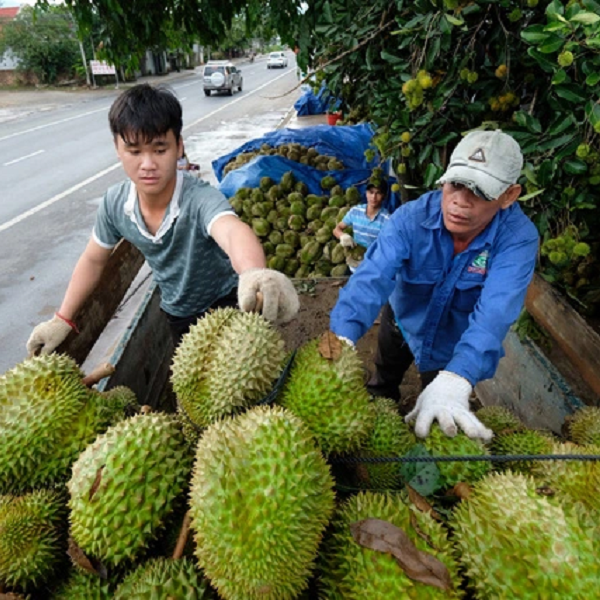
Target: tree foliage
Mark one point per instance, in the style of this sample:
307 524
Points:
44 42
130 28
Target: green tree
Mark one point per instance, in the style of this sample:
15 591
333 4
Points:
44 41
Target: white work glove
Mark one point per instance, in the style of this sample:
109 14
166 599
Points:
446 399
280 301
347 240
47 336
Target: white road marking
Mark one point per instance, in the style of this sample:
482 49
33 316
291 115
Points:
78 186
12 162
17 133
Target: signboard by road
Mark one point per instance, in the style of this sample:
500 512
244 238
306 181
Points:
101 67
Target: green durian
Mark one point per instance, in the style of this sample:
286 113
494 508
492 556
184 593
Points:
499 418
339 271
352 196
520 442
515 543
438 443
352 572
329 395
584 426
260 498
228 361
81 585
277 263
47 417
261 227
328 182
265 184
124 484
301 188
32 538
164 579
390 437
276 237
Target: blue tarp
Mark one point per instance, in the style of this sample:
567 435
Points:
346 142
315 104
250 174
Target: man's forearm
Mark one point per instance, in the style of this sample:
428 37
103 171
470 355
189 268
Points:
84 280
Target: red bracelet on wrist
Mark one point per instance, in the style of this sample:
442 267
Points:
70 323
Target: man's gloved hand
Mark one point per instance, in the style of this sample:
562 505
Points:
347 240
47 336
446 399
280 299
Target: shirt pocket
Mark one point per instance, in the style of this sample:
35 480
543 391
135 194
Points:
466 293
420 283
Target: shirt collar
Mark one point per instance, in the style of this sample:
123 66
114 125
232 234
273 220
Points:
171 214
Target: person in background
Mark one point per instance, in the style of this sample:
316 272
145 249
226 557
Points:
202 256
452 269
366 220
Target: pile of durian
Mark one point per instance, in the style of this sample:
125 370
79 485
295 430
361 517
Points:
273 513
296 228
293 151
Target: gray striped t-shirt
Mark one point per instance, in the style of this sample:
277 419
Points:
189 267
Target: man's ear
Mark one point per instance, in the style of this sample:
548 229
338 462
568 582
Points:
510 196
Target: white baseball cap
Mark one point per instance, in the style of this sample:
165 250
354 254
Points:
487 162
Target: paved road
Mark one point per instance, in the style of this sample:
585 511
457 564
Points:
56 164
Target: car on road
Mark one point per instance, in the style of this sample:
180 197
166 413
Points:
221 76
277 60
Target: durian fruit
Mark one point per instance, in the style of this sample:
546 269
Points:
329 395
164 578
573 482
390 437
124 484
121 399
85 586
499 419
515 543
260 498
228 361
521 442
350 571
32 540
584 426
47 417
452 472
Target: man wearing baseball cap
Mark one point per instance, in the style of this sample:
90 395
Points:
452 269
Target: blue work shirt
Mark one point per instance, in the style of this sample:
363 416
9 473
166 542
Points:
454 311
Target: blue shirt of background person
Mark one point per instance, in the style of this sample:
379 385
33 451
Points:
454 265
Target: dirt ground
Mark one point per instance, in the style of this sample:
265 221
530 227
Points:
317 299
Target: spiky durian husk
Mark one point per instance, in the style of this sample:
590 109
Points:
39 400
32 540
453 472
330 397
514 543
84 586
390 437
164 578
352 572
260 499
120 399
573 481
584 426
499 419
228 361
124 484
523 442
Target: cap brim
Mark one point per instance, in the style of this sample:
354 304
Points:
479 182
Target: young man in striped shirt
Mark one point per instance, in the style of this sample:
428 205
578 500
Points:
366 220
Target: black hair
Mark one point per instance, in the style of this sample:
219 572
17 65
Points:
382 186
145 112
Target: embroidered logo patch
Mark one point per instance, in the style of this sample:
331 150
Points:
478 155
479 264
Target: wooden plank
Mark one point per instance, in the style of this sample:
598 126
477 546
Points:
122 267
579 342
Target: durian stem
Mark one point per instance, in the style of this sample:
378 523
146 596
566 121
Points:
259 302
183 536
100 372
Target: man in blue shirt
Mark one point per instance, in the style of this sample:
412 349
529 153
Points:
453 267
